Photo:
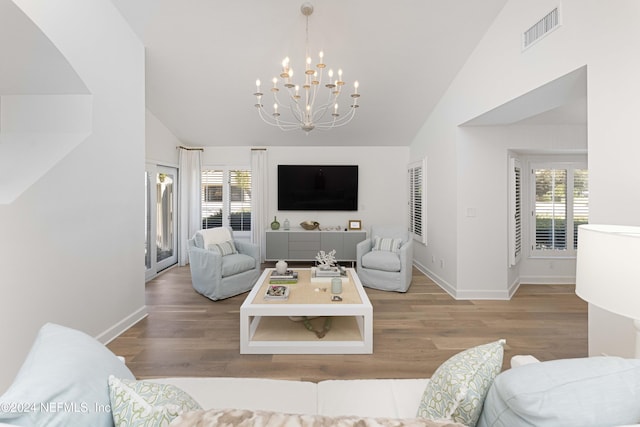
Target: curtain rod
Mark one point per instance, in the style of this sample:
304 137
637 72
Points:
190 148
258 148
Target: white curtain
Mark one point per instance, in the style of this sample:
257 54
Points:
189 177
258 198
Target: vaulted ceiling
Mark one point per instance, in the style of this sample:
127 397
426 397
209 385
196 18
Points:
203 58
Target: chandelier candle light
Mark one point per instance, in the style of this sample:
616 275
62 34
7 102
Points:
300 102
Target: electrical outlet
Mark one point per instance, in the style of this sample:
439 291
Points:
441 263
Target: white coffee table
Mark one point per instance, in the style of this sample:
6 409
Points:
266 326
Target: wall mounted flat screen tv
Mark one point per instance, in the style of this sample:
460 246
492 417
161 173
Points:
317 187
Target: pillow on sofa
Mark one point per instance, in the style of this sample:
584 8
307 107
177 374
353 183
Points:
224 248
388 244
148 403
458 387
247 418
583 392
63 381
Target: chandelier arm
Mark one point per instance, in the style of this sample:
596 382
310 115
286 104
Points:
294 106
268 119
322 110
289 107
337 121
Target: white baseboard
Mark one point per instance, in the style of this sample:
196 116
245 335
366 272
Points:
446 286
548 280
113 332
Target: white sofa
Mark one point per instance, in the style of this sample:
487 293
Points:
385 398
70 379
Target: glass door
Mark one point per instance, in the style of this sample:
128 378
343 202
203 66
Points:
161 228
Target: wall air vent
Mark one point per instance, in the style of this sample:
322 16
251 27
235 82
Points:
540 29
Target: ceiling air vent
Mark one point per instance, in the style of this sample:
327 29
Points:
537 31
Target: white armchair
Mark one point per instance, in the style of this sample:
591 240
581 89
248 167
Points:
222 267
385 259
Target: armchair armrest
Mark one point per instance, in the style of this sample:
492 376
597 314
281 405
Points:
362 248
248 248
205 263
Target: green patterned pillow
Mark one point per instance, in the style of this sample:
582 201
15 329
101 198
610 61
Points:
224 248
144 403
458 387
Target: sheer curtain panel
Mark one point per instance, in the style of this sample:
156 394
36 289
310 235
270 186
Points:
190 210
259 197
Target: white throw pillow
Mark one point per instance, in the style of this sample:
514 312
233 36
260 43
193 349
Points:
389 244
63 382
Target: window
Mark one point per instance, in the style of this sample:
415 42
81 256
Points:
417 200
560 206
226 198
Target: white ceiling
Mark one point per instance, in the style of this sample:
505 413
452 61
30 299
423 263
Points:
203 58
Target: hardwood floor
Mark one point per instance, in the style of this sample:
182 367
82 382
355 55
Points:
186 334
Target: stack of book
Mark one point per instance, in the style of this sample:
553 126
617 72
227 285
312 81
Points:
323 275
288 277
328 272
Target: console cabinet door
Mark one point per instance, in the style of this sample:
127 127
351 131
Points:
277 245
351 240
330 241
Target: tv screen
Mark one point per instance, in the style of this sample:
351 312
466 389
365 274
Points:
317 187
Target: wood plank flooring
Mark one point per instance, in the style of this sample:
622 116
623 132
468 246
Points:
186 334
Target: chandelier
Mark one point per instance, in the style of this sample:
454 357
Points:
309 105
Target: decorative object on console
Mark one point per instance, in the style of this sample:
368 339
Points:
281 266
286 225
275 225
309 225
607 270
355 224
300 99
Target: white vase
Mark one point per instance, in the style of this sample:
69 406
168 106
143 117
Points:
281 266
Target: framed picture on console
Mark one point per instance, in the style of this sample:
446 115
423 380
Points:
355 224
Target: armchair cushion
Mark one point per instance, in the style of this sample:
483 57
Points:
207 237
381 260
389 244
224 248
236 263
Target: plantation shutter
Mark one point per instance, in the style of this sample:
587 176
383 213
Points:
580 201
550 211
212 187
240 204
515 211
417 200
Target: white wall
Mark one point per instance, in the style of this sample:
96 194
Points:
72 248
602 35
382 196
160 143
483 187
